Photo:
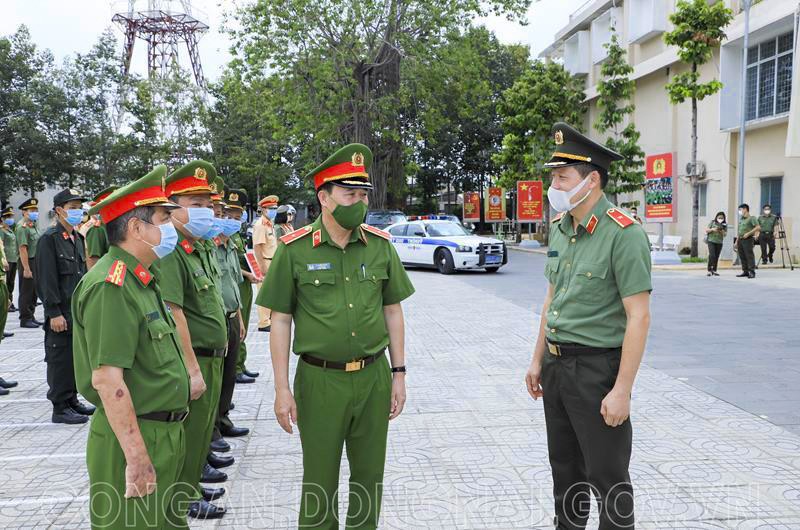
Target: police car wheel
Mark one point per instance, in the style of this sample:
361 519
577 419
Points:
492 269
444 261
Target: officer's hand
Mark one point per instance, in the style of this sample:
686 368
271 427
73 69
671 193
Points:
533 380
197 386
27 273
58 324
140 478
285 409
242 331
398 395
615 408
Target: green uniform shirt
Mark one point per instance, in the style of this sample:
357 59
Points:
124 323
717 236
96 241
591 273
9 243
231 275
746 225
27 235
241 251
767 223
2 276
186 280
336 296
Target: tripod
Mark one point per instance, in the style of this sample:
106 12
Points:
783 245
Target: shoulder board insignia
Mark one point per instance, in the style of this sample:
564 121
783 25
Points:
377 231
143 275
557 217
297 234
316 238
186 246
620 217
116 274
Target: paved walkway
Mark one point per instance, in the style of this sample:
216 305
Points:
469 452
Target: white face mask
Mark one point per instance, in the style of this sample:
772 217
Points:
560 199
741 213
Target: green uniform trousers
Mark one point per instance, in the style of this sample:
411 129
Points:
246 294
105 461
335 407
199 425
3 307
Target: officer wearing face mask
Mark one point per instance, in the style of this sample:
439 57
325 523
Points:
60 265
715 235
592 335
27 235
264 245
128 362
766 237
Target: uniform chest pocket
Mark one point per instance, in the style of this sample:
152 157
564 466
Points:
589 284
370 286
204 289
162 337
66 263
551 269
316 290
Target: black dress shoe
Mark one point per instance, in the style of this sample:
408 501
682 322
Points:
218 462
234 432
211 475
203 509
4 392
12 309
752 275
7 334
220 446
742 275
37 322
69 416
30 324
243 379
80 408
250 373
231 406
7 384
210 494
265 329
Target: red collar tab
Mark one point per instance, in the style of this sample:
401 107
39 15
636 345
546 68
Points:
592 224
317 237
143 275
65 235
186 246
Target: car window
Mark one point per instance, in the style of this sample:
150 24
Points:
398 230
416 230
446 229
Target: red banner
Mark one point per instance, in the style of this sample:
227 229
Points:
659 189
253 265
529 201
472 207
495 205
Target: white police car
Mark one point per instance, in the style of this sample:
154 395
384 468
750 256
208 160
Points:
436 241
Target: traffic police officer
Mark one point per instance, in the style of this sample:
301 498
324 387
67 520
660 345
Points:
766 238
60 264
592 335
236 202
27 237
128 362
9 242
341 282
264 245
187 280
95 234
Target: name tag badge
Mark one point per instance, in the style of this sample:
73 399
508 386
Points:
198 272
319 266
153 316
552 253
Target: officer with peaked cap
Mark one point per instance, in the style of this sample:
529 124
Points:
264 245
94 231
592 335
27 237
9 242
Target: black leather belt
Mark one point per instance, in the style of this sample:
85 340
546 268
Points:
165 416
351 366
231 315
566 348
205 352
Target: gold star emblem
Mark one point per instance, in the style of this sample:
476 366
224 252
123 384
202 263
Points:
559 137
524 187
33 202
358 159
233 197
200 173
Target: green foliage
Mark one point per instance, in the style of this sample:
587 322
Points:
615 102
545 94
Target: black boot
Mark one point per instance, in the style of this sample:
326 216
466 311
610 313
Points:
243 379
4 383
233 431
203 509
66 415
80 408
250 373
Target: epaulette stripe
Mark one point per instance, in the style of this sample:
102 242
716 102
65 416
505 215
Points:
297 234
377 231
116 274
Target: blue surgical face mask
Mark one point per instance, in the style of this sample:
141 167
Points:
9 221
200 221
74 217
271 213
244 216
215 230
169 238
33 216
230 226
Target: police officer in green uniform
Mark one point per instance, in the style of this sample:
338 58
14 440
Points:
187 280
128 362
592 335
96 237
60 265
9 243
766 237
341 283
4 384
27 237
748 230
236 201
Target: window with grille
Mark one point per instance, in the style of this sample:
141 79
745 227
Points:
769 77
703 199
771 191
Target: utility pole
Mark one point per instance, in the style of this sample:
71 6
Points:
743 109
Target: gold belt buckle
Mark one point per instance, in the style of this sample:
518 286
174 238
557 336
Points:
554 349
354 366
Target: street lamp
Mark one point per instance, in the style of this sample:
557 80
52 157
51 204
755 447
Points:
743 109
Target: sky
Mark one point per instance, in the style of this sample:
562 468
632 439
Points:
67 27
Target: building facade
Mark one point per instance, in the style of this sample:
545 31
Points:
770 176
